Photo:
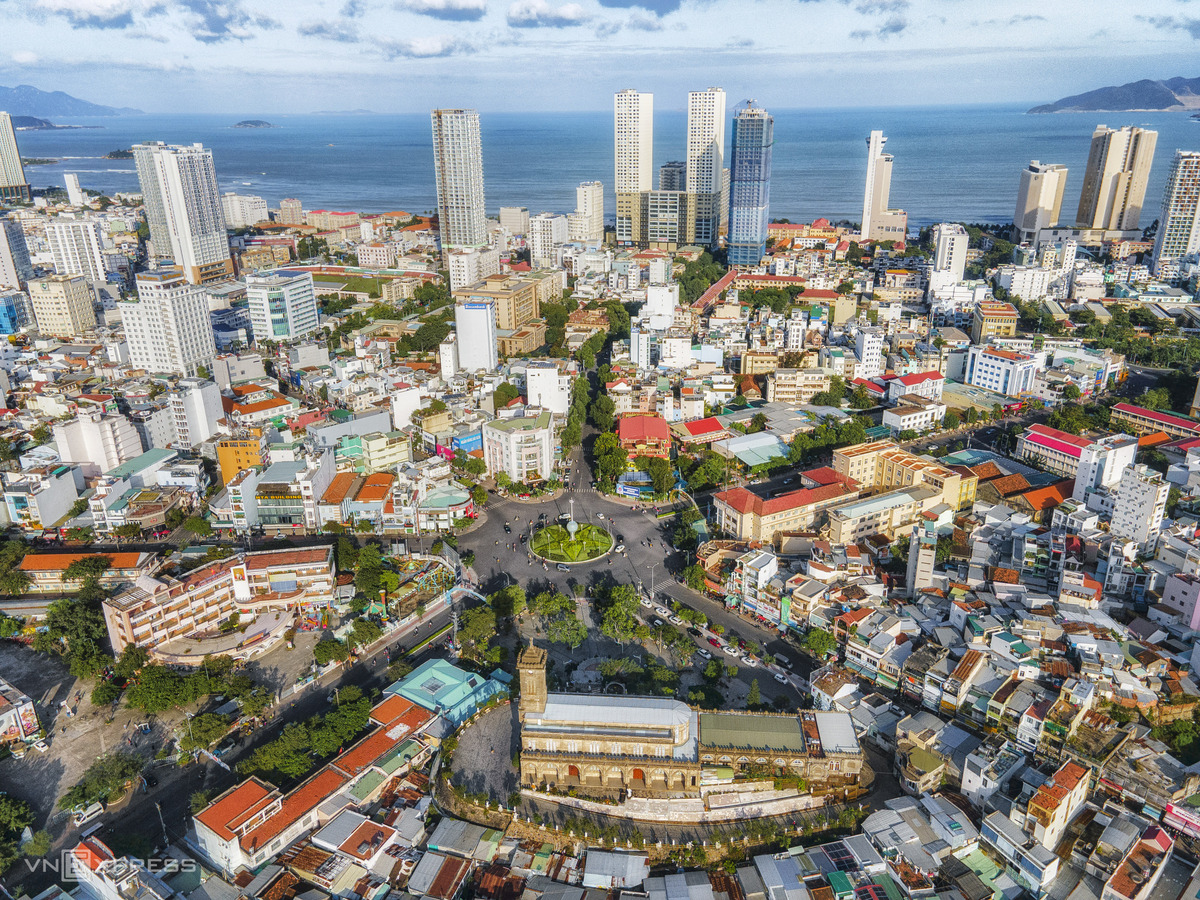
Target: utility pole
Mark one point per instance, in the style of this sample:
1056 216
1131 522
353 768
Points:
161 822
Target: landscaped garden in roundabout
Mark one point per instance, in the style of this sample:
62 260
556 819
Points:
574 542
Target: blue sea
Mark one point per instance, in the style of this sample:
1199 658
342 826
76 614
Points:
951 163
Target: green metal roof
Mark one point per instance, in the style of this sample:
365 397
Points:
778 734
840 883
138 463
367 784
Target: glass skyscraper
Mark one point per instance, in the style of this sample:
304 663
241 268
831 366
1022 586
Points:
750 184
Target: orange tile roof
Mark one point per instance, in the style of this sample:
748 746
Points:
643 428
1010 484
57 562
745 501
1154 439
1050 496
236 806
376 487
295 806
338 488
988 470
261 405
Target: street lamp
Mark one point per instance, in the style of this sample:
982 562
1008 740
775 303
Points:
653 566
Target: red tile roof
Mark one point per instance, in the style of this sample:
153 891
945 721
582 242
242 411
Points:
295 806
287 558
237 805
921 378
338 488
745 502
643 428
376 487
711 425
57 562
1051 496
1155 415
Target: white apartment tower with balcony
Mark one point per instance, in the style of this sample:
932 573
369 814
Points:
547 232
1140 505
195 408
1039 199
458 172
1114 183
633 146
283 305
586 224
706 160
950 243
75 245
1179 221
183 209
167 327
879 221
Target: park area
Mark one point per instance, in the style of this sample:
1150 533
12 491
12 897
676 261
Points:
571 544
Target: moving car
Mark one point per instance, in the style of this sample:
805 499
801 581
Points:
563 567
731 650
620 548
781 678
507 528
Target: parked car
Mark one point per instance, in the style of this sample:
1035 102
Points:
714 642
620 548
675 620
658 623
731 650
645 601
563 567
781 678
750 661
86 814
524 538
700 651
41 746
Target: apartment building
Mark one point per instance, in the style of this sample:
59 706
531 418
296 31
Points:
993 318
247 449
1002 371
1140 421
156 611
1101 461
45 570
796 386
1055 804
888 514
914 413
522 448
882 465
62 305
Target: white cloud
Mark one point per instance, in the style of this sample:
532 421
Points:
540 14
451 10
425 47
25 57
92 13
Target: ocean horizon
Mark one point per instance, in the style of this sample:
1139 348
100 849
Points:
959 163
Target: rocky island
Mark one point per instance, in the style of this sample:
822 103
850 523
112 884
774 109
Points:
253 123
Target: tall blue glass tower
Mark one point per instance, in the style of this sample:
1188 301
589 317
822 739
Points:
750 184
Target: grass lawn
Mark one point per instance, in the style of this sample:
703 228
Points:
554 543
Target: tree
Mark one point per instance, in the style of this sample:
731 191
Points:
602 411
327 650
509 601
203 731
87 567
129 531
42 434
1071 392
476 629
78 508
754 698
75 629
132 660
619 609
364 632
611 458
15 816
694 576
951 419
758 422
369 567
104 777
567 630
198 525
504 394
819 642
908 435
158 688
14 582
39 844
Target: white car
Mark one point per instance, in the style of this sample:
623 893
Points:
700 651
599 515
750 661
658 623
731 650
646 602
675 620
41 746
620 548
663 611
781 678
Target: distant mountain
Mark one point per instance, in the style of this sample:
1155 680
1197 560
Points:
1174 93
24 100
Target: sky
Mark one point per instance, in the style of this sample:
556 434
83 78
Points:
297 56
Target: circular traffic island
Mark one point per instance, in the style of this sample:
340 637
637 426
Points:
573 543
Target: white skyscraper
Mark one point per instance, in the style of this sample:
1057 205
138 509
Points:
283 305
195 405
868 345
1039 199
706 160
76 248
879 221
548 388
950 243
458 171
13 185
633 151
448 356
475 324
586 224
243 210
14 254
183 209
547 232
1179 221
1114 183
75 195
167 327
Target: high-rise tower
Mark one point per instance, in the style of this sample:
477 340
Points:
750 184
458 170
705 160
879 222
1039 199
13 185
1179 221
1114 184
633 152
183 209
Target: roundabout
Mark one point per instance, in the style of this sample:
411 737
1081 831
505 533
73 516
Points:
574 542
